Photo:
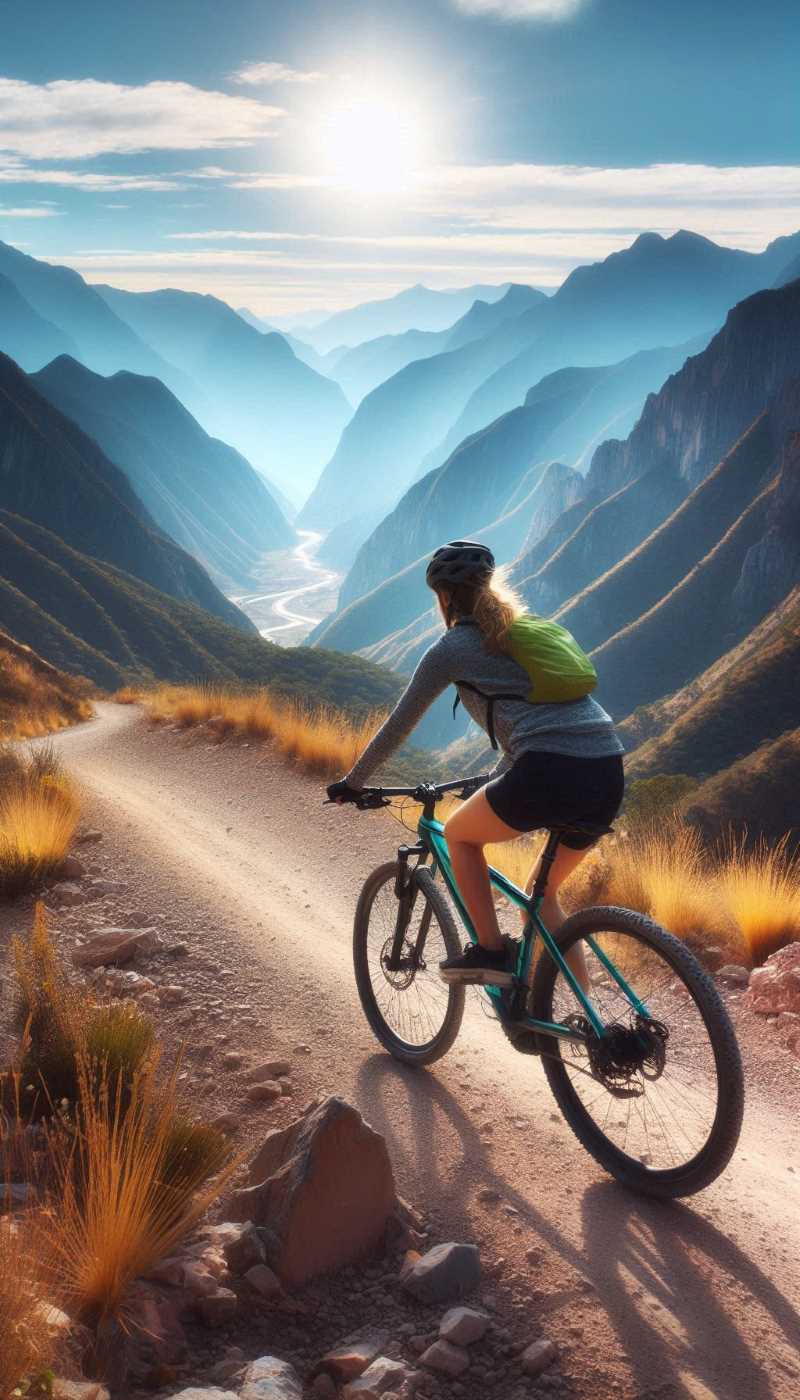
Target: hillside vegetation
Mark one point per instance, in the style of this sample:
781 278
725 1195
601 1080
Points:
35 698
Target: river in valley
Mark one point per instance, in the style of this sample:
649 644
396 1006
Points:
298 591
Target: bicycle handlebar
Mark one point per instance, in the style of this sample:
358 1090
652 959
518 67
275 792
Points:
369 798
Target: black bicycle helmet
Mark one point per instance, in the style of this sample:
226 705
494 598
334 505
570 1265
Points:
460 561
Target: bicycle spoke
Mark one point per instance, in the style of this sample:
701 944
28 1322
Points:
670 1114
414 1002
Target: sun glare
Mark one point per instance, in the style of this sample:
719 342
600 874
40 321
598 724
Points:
371 142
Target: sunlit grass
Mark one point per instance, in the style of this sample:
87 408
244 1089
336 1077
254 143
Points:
129 1183
760 888
38 818
35 700
27 1345
318 739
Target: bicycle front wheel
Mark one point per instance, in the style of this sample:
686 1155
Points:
415 1015
658 1100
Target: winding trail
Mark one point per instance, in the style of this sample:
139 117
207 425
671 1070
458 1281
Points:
282 601
696 1300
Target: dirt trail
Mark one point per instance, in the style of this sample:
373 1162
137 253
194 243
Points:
699 1299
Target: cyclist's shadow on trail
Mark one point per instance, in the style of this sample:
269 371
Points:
670 1282
673 1285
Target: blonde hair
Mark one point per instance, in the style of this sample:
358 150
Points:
493 606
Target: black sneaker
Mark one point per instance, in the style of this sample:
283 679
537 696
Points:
477 965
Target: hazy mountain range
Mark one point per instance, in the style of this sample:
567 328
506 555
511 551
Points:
630 445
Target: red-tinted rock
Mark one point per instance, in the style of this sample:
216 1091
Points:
323 1188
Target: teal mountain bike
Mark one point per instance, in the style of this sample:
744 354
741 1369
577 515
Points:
645 1067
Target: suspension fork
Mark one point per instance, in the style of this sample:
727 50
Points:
406 891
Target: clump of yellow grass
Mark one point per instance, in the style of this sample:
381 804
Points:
27 1342
38 818
319 739
129 1182
760 887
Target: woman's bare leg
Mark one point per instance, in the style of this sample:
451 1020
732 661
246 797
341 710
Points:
467 831
552 910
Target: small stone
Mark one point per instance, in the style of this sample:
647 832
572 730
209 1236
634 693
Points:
14 1195
226 1123
171 995
90 837
105 887
443 1356
538 1356
269 1378
110 947
205 1392
65 895
233 1060
302 1050
788 1020
78 1390
178 950
245 1250
448 1271
263 1280
734 975
218 1308
488 1196
354 1355
266 1092
271 1069
383 1377
463 1326
71 869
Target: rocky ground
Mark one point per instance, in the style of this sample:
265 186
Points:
247 885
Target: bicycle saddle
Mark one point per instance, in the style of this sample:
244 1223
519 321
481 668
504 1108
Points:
587 828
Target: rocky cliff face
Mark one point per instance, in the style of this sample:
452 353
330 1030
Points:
688 426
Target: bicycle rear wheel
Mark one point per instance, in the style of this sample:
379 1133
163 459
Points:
415 1015
658 1102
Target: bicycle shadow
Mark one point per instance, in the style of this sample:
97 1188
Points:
655 1266
673 1285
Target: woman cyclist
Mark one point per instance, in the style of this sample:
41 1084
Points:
561 761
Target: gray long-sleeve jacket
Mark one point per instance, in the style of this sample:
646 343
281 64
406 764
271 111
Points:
578 727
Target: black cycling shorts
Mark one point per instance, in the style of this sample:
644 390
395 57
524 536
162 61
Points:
546 789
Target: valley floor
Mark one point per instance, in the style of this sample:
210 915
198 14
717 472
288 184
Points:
232 851
298 592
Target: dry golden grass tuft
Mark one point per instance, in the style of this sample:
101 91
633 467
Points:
129 1183
760 888
27 1343
38 817
318 739
35 698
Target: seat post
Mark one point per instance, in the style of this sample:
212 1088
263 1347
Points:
546 860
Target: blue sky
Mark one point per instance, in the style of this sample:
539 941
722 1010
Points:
309 154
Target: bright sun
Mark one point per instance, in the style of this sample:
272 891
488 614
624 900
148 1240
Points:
373 143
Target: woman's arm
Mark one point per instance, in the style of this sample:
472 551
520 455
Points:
429 680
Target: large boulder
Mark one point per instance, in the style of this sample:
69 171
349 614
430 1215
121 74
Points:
323 1189
775 987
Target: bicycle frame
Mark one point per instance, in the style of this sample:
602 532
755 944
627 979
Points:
431 834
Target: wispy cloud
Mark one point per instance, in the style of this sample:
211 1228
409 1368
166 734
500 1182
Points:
67 120
530 10
36 211
17 172
267 74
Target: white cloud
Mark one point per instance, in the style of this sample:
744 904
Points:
18 172
69 120
265 74
36 211
551 10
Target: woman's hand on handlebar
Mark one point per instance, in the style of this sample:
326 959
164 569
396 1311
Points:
341 792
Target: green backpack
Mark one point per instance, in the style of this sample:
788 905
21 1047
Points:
559 670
